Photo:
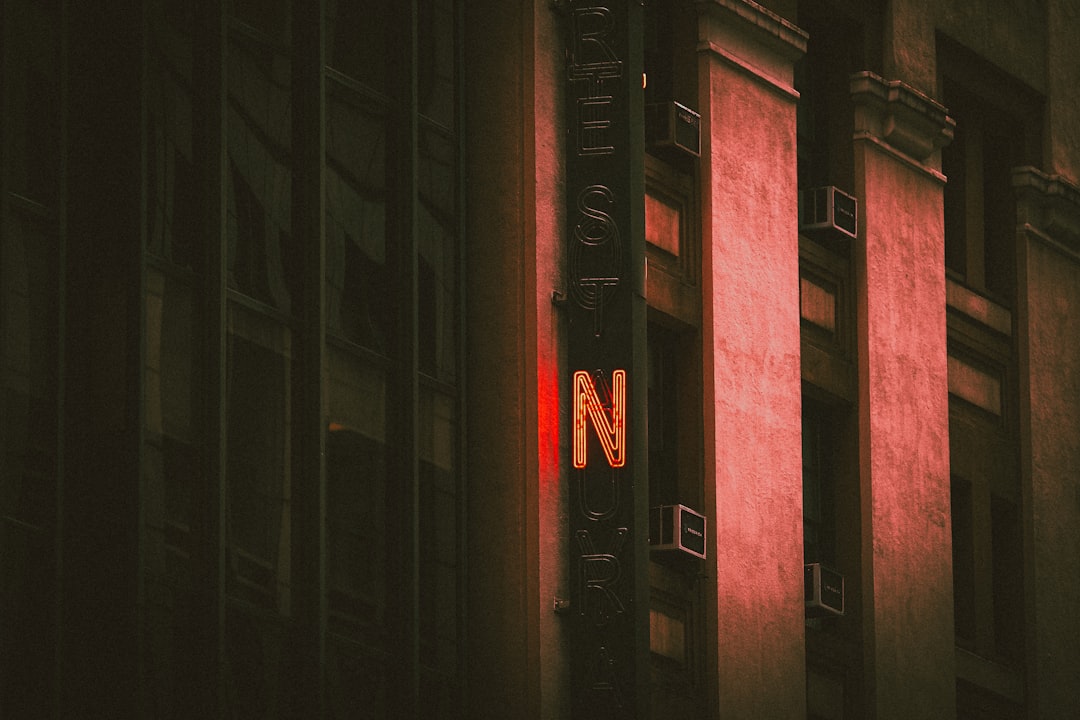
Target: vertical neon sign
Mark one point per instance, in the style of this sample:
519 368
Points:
610 429
605 251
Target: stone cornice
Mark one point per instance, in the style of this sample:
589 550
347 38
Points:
1048 203
891 111
753 38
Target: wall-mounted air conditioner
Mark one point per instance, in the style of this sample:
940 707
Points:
677 528
824 590
827 209
672 126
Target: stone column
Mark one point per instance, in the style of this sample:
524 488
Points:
1048 332
750 336
909 646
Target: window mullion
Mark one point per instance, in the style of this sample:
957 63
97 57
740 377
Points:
410 365
209 135
982 543
308 544
975 271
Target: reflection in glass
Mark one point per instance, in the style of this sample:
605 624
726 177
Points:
29 269
31 85
357 501
437 266
360 292
171 183
257 408
170 465
359 504
269 17
359 41
28 437
170 458
436 57
440 549
261 262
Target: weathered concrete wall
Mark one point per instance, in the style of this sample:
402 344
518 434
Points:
548 215
1034 42
1053 305
1010 34
1049 359
903 403
751 357
908 43
1062 141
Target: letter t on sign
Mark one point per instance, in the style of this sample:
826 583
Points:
611 429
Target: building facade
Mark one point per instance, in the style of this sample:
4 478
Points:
350 351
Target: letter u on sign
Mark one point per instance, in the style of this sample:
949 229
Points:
610 428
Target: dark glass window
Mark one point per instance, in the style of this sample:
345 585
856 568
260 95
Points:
394 486
263 269
262 260
28 444
819 484
663 421
30 284
361 38
998 128
32 95
824 115
360 200
987 532
437 61
963 552
1007 581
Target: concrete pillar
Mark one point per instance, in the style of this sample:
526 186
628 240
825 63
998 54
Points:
1061 150
1049 363
903 401
750 334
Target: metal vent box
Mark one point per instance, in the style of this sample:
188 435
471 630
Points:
672 125
824 590
830 209
677 528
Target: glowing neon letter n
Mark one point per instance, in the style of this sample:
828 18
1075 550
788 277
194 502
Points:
610 429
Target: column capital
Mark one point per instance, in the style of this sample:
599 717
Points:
753 38
899 115
1048 203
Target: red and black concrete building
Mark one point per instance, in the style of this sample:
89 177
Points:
552 359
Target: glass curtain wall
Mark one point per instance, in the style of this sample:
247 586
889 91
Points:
385 562
31 213
171 433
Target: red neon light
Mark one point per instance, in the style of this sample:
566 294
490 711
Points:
610 429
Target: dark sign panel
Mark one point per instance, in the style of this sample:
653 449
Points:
605 312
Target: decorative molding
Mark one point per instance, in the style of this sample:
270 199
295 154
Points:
977 307
897 114
978 386
753 39
1050 204
1004 681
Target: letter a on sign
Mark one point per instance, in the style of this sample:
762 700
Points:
611 428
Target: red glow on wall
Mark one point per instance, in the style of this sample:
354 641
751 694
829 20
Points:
548 415
611 429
